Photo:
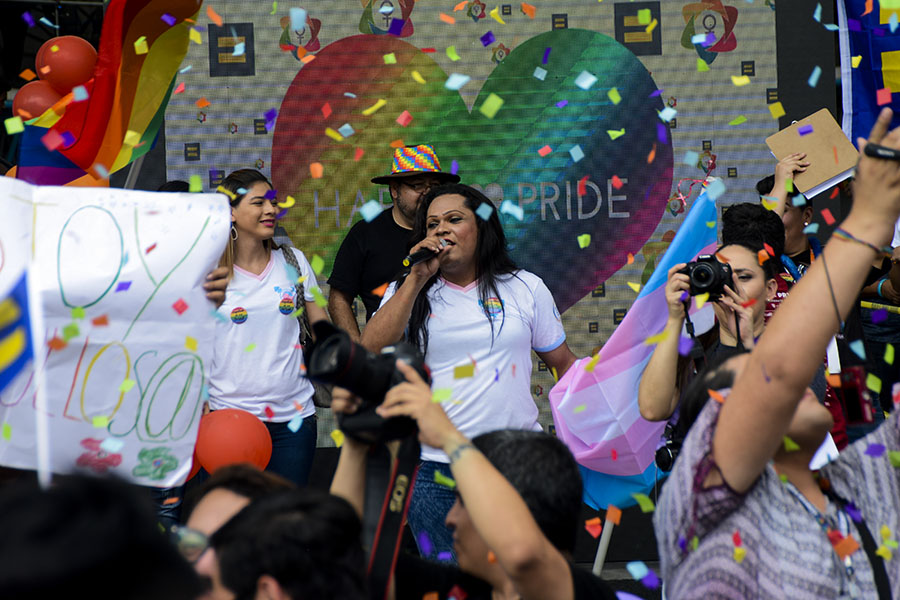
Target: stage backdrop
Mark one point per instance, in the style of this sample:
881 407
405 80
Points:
318 100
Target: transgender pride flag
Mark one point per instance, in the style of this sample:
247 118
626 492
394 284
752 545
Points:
596 412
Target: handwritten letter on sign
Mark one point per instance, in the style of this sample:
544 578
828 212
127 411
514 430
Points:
128 331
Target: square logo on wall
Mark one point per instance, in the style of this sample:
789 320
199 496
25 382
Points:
192 151
259 127
599 291
748 67
215 178
732 171
707 145
618 315
633 34
559 21
771 95
593 327
222 42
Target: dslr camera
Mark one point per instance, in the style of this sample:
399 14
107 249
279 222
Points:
708 275
337 360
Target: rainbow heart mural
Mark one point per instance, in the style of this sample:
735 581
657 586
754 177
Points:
629 176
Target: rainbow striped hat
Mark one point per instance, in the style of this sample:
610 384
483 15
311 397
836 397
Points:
410 161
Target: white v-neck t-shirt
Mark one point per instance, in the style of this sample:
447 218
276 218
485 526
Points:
498 394
257 361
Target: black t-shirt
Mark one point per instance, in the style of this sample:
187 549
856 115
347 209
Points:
416 577
370 256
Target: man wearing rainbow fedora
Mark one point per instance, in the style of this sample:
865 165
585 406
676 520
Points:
372 252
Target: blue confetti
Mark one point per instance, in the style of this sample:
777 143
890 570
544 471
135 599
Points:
485 211
295 423
715 189
576 152
585 80
346 130
488 39
813 80
546 56
858 348
298 19
540 73
690 158
370 210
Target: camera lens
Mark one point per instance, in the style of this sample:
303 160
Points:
702 276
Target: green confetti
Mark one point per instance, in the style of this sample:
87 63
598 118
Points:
195 184
14 125
789 186
580 408
644 502
441 394
441 479
318 297
250 348
738 120
644 16
783 478
695 541
78 312
451 53
584 240
790 445
873 382
126 385
70 331
7 431
297 312
390 59
615 134
317 264
702 67
100 422
614 96
491 105
894 457
889 354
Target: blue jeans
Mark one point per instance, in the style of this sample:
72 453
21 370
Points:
292 453
167 513
428 510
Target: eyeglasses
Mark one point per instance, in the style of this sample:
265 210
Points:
191 544
420 185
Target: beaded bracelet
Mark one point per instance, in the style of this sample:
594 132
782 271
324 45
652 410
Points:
843 234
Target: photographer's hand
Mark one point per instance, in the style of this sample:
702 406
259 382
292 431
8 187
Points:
737 310
414 399
350 476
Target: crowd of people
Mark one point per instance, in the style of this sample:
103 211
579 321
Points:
495 502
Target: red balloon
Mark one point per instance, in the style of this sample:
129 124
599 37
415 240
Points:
195 467
71 64
34 98
232 436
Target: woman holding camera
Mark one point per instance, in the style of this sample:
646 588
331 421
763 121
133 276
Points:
741 308
476 317
257 360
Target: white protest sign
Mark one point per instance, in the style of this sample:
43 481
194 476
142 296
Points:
128 332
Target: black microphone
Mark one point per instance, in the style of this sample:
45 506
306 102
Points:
420 256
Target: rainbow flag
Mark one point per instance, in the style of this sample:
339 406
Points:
15 332
129 92
596 412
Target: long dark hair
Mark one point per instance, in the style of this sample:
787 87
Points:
491 258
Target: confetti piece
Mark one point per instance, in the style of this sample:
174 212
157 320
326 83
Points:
762 256
508 207
418 77
215 18
528 10
738 120
585 80
790 445
644 502
883 96
140 45
540 73
132 138
813 80
126 385
100 422
112 445
630 258
736 538
690 158
316 170
846 547
613 514
375 107
179 89
168 19
202 103
239 49
715 395
594 527
650 580
441 479
451 53
875 450
873 382
14 125
298 19
545 150
616 182
701 299
635 287
702 67
561 103
637 569
685 344
888 351
194 36
592 363
854 61
404 119
101 321
461 6
495 14
464 371
78 312
614 135
487 39
715 189
894 457
776 110
655 339
390 59
70 331
449 21
180 306
484 211
667 114
338 436
740 80
491 105
584 240
441 394
576 153
805 130
739 554
250 348
614 96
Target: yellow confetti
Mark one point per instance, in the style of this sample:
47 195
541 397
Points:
464 371
338 436
491 105
441 394
126 385
451 53
320 300
441 479
855 61
768 202
615 134
418 77
7 431
873 382
194 35
334 134
651 26
592 363
100 422
885 532
614 95
250 348
317 264
14 125
644 502
644 16
777 110
195 184
884 552
634 286
701 299
740 81
702 67
190 343
655 339
790 445
140 45
132 138
371 110
584 240
288 202
739 553
495 14
889 354
738 120
228 193
579 409
390 59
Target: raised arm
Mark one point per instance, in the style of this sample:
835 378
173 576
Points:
499 514
658 391
758 411
784 170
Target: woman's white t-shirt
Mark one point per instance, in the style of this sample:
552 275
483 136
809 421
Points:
257 361
497 395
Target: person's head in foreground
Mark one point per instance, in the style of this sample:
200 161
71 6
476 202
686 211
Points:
87 538
544 473
294 545
414 171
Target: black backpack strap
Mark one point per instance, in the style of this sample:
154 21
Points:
882 583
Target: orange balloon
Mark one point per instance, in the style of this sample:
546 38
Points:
232 436
71 64
34 98
195 467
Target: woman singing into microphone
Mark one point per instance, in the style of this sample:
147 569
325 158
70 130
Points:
476 316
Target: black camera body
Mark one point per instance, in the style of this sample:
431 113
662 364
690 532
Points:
337 360
668 452
708 275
